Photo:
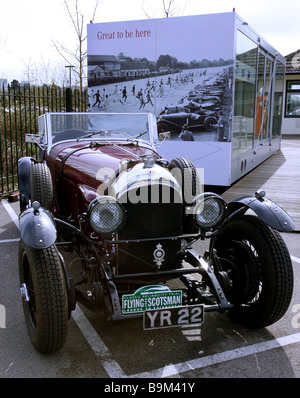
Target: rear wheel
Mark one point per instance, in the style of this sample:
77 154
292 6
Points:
210 124
259 270
44 294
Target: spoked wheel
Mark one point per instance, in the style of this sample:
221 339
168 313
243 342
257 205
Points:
44 294
259 270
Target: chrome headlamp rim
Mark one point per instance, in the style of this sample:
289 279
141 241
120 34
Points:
106 215
209 211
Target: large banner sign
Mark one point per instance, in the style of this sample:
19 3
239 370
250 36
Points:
180 69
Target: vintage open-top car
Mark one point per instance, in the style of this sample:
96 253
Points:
106 221
191 116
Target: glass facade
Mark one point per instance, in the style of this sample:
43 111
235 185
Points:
263 98
278 99
258 101
244 96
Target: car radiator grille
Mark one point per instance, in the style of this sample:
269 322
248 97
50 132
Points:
150 220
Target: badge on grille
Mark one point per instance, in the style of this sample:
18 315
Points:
159 255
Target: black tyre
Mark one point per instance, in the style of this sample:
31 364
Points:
186 174
259 267
45 301
210 124
41 185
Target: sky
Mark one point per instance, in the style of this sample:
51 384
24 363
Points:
28 28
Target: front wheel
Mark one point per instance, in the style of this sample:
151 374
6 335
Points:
210 123
44 294
258 268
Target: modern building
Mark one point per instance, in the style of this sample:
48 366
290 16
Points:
258 100
291 116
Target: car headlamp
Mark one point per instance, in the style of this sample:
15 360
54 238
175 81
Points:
209 210
106 215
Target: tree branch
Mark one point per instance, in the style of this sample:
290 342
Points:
77 22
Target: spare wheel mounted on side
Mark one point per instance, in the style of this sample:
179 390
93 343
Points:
41 185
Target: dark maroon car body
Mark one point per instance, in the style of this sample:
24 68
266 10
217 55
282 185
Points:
78 176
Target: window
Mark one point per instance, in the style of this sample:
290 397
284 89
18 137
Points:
244 106
278 99
292 101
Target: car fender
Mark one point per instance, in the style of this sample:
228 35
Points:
272 214
24 166
37 227
206 117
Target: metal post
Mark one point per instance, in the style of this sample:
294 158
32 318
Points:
69 90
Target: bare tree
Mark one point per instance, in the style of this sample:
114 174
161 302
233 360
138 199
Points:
30 71
169 8
77 56
41 72
57 75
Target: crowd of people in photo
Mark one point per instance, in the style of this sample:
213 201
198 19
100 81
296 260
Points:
102 98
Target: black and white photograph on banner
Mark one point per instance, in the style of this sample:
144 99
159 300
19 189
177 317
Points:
170 67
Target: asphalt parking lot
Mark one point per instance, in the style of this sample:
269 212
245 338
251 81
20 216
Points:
97 349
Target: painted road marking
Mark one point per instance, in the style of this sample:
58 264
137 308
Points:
9 240
237 353
112 368
11 212
296 259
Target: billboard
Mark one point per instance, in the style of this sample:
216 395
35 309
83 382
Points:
181 70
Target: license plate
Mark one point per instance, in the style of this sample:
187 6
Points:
176 316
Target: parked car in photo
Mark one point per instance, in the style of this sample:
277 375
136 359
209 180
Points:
106 222
174 118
